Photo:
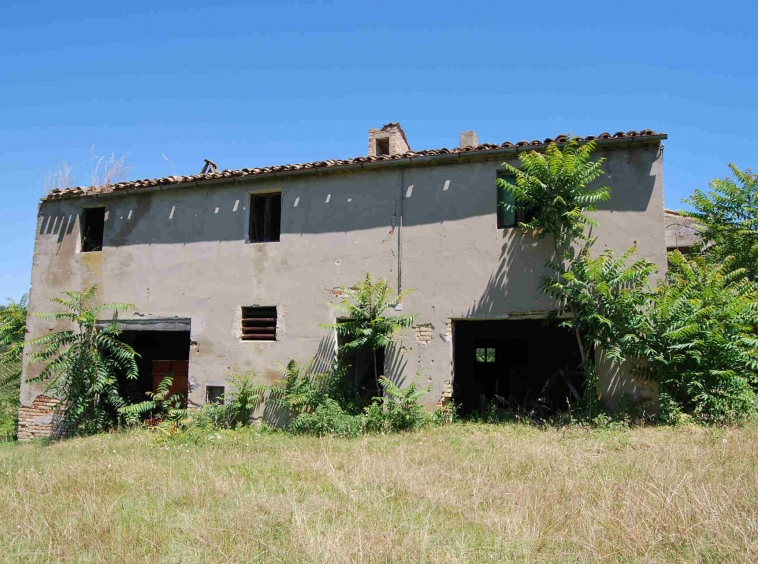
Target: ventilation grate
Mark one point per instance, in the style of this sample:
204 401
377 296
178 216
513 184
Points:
259 323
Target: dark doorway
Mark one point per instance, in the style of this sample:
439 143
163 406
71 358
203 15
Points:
519 365
360 371
161 353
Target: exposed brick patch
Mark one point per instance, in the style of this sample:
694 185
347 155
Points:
447 395
424 333
40 420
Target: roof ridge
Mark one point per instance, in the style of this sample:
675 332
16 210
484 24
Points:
58 193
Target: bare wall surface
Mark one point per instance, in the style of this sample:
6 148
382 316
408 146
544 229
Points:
182 253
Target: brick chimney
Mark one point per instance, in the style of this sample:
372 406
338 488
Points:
469 139
389 140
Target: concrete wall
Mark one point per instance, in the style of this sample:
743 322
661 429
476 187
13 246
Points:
182 252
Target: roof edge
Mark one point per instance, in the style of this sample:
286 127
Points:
618 141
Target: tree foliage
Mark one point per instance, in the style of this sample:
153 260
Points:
236 406
326 404
316 403
365 324
243 398
12 335
398 409
302 390
696 333
727 218
160 404
700 340
82 365
606 298
555 187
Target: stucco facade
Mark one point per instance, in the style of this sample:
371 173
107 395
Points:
183 253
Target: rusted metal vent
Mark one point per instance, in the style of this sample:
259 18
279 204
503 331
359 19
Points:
259 323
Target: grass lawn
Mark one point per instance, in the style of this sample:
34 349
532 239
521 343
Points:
463 493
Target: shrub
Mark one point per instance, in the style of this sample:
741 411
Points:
12 335
317 403
398 408
327 404
328 418
364 305
214 416
244 398
444 415
160 405
83 365
9 400
701 341
694 335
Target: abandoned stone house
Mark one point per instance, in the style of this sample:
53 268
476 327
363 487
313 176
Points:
231 271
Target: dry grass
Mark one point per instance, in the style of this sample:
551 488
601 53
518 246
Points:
466 493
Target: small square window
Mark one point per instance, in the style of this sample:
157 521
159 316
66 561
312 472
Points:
485 355
510 217
214 394
259 323
265 218
92 227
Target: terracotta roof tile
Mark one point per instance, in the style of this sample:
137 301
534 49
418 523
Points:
57 193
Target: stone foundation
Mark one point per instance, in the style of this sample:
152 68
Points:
39 420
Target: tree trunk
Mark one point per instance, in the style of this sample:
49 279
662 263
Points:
579 342
581 347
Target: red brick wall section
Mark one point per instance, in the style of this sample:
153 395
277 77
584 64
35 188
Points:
37 421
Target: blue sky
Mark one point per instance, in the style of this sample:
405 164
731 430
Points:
261 83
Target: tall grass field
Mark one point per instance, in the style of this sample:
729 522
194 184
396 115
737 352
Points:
460 493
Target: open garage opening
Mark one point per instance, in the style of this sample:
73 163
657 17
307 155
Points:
523 366
161 353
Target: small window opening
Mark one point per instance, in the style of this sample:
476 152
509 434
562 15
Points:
510 217
265 218
214 394
485 355
92 228
259 323
382 147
